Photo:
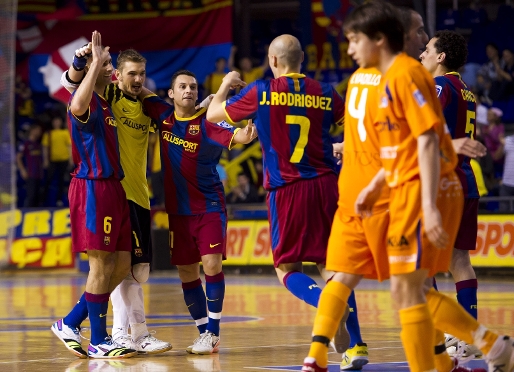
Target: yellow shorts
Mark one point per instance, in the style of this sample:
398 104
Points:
408 248
357 246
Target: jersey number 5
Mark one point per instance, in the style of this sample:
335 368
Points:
305 125
470 123
358 111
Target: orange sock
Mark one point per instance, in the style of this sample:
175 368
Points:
417 328
443 362
331 307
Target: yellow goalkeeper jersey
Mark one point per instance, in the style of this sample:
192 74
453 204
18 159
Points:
133 129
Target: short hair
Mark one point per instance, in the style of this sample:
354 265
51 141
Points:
454 46
405 16
494 46
221 59
178 73
377 17
129 55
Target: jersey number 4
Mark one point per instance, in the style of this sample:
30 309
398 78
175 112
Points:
357 111
305 126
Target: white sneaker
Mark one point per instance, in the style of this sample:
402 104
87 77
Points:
150 345
207 343
505 361
70 337
189 349
110 350
461 350
124 340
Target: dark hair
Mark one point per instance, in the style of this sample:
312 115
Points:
454 46
374 18
221 59
180 72
405 16
129 55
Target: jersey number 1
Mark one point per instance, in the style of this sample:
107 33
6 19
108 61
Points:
305 125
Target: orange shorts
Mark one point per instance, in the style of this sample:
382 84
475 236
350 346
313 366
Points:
407 245
357 246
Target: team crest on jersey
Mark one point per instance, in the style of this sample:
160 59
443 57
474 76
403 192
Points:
110 120
383 102
107 240
194 129
138 252
438 90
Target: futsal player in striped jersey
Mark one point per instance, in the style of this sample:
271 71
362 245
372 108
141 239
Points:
293 116
444 55
99 214
194 198
133 131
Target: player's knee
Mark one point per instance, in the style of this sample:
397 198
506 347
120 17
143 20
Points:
141 272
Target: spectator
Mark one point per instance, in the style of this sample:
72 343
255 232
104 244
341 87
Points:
494 134
507 186
481 113
474 16
260 180
244 192
56 158
213 80
506 75
489 79
249 73
30 164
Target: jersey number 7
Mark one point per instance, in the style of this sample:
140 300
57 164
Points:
305 125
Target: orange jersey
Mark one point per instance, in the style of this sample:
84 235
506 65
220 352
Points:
361 158
408 107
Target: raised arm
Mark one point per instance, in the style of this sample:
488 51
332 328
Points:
216 112
80 102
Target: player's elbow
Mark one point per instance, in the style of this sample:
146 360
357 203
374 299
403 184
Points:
211 116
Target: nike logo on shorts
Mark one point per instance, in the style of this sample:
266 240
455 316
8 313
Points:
214 245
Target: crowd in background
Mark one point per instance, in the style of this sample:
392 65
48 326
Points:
44 155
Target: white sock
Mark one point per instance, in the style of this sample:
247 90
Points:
138 330
497 348
120 321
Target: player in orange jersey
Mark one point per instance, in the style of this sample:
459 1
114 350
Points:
410 127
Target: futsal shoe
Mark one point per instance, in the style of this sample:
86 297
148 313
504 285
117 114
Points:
341 340
124 340
504 361
460 349
70 338
355 358
150 345
109 350
310 365
207 343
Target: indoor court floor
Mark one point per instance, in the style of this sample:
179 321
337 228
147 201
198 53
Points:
264 328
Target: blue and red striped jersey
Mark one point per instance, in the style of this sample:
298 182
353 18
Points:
459 108
293 116
94 142
190 150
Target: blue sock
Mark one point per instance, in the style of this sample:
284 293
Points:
467 296
194 296
97 305
78 314
215 292
303 287
352 324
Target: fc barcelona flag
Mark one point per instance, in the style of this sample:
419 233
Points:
170 35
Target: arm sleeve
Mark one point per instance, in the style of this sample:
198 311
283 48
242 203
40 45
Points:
243 106
67 83
44 141
220 134
157 109
419 101
443 92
